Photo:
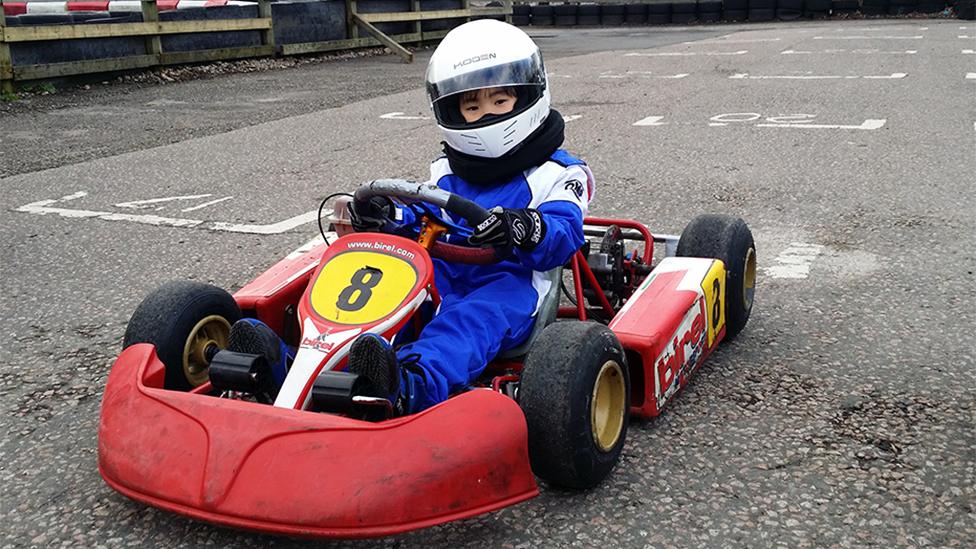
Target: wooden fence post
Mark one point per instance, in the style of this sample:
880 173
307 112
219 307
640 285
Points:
6 64
417 25
507 4
352 30
150 14
267 36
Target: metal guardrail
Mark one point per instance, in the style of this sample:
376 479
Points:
152 29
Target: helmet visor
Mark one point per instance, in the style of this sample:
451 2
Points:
528 71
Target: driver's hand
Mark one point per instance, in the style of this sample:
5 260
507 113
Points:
372 214
506 229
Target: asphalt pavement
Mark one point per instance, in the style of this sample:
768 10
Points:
843 415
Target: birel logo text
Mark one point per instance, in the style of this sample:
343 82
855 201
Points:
682 354
318 343
475 59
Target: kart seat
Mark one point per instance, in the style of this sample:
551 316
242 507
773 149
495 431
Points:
545 316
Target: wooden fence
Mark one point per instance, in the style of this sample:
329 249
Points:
151 28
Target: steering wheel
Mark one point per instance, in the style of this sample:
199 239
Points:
411 191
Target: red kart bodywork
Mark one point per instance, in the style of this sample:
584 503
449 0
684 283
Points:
302 473
299 473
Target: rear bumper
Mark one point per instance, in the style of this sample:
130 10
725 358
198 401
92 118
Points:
290 472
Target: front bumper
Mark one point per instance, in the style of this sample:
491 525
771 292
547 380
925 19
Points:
258 467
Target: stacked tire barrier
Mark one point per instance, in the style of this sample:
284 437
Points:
683 12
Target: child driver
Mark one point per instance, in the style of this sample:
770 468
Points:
489 92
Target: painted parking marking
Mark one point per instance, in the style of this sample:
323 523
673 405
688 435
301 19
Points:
971 76
650 121
968 52
54 207
571 117
878 29
757 120
643 74
966 37
684 53
888 37
747 76
794 262
856 51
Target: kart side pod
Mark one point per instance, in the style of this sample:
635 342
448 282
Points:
669 325
259 467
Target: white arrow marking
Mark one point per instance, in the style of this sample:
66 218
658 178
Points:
650 121
142 204
205 204
44 207
684 53
741 76
870 124
915 37
402 116
273 228
571 117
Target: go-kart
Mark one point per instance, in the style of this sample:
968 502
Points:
194 428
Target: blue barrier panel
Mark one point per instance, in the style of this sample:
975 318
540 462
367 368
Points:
298 22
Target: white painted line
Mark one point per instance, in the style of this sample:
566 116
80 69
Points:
45 207
857 51
794 262
717 124
971 76
643 74
734 41
142 204
650 121
872 29
914 37
741 76
205 204
402 116
685 53
963 36
42 207
969 52
571 117
273 228
870 124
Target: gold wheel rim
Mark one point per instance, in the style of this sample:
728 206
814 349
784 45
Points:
607 406
749 279
211 330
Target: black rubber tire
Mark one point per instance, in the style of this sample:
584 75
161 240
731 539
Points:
925 6
659 19
684 7
709 17
520 20
874 7
520 9
788 14
45 19
556 394
816 5
735 15
565 15
565 20
762 5
709 6
542 16
845 6
729 239
635 14
790 5
167 316
965 9
761 14
735 5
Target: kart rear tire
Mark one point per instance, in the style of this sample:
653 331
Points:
575 393
179 318
729 239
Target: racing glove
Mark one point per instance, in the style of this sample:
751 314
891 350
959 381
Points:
372 214
506 229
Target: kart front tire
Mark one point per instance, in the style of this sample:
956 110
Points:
729 239
181 318
575 393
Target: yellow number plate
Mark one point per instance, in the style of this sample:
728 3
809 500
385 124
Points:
713 285
361 287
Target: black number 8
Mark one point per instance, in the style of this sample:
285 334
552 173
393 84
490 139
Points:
717 307
362 284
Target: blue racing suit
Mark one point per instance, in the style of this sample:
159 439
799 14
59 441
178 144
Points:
486 309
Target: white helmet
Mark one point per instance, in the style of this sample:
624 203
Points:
486 54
